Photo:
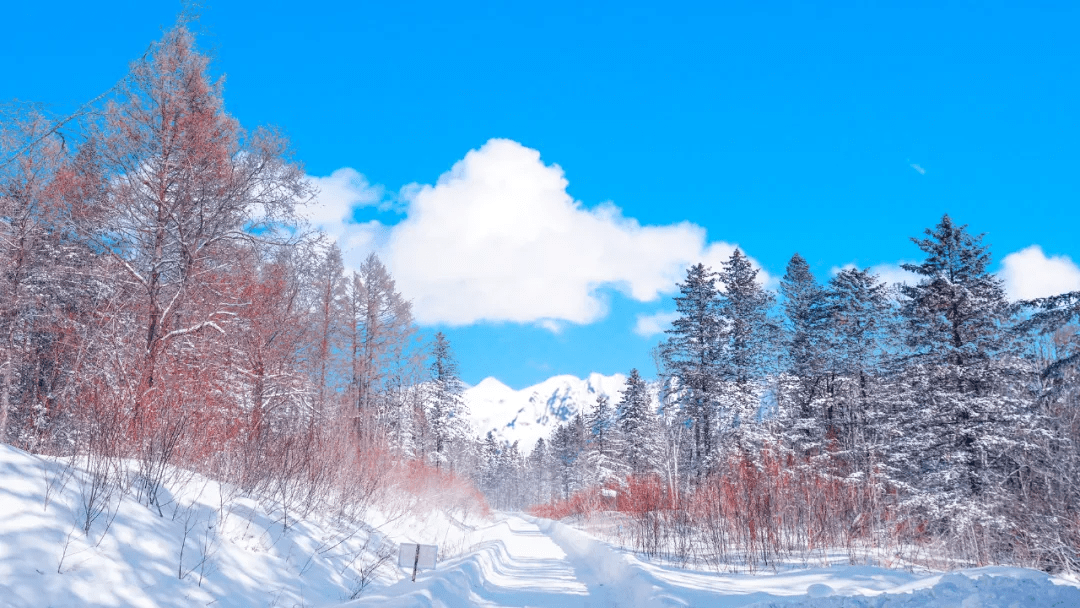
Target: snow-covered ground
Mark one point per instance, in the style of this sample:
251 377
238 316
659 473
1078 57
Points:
523 561
533 412
207 547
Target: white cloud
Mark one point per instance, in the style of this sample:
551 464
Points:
340 193
498 238
916 167
656 323
886 273
893 273
1029 273
551 325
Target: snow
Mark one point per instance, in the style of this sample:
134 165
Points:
533 412
508 560
250 560
523 561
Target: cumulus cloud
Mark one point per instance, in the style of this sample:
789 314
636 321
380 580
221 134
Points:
1029 273
656 323
340 193
886 273
498 238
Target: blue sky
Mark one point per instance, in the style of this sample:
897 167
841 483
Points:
833 129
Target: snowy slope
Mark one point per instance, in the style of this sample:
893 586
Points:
531 413
204 549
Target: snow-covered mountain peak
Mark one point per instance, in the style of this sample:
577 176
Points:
533 412
490 387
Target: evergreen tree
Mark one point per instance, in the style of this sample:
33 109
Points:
802 380
488 473
540 466
1057 316
602 453
691 357
568 450
748 337
446 409
961 418
637 426
804 340
857 310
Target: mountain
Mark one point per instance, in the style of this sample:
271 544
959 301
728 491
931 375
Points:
528 414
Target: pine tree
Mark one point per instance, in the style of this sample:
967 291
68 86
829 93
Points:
637 426
488 473
962 418
802 380
1048 474
804 303
540 466
859 329
1053 316
446 409
568 450
748 338
691 357
602 455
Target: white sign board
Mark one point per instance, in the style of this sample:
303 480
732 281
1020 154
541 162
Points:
407 555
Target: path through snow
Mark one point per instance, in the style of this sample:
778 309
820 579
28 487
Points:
147 559
521 561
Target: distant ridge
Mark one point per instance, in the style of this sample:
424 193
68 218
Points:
528 414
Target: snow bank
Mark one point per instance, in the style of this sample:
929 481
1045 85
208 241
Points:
636 584
1006 588
209 545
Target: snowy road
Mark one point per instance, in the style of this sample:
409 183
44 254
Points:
519 561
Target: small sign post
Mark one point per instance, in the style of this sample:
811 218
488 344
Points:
416 555
416 563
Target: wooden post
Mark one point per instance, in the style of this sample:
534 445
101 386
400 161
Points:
416 562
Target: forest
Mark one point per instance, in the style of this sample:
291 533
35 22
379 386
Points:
934 421
164 305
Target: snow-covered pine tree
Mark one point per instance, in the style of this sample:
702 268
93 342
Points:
602 452
446 409
857 308
690 358
568 451
1050 500
637 424
966 413
1057 316
802 380
539 466
488 470
749 336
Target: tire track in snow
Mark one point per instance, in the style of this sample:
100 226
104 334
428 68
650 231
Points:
612 580
528 562
515 565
